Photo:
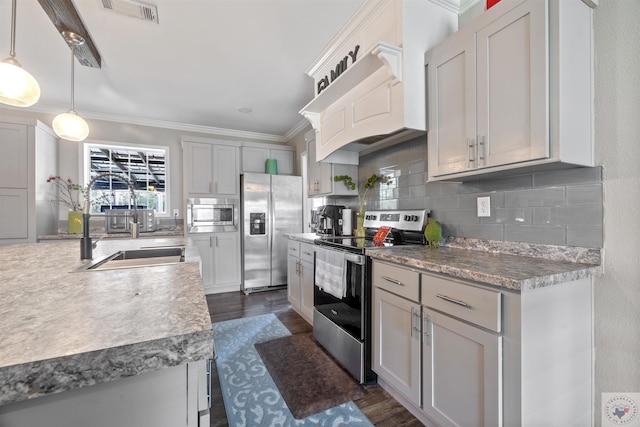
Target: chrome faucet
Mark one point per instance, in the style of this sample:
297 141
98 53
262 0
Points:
86 246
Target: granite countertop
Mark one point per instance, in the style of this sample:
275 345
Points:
61 330
516 272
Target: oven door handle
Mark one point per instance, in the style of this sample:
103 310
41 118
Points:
354 258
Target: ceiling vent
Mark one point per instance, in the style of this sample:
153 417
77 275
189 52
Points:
133 8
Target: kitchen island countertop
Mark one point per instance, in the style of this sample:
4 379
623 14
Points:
61 330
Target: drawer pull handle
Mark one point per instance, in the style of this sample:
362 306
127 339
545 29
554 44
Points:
455 301
394 281
307 253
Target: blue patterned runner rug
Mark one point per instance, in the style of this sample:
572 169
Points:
250 395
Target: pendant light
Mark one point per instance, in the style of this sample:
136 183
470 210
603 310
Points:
17 87
71 126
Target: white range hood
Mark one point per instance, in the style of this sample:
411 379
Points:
369 82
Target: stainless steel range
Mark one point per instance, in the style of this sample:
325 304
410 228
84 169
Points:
342 291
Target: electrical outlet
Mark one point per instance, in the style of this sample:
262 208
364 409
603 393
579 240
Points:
176 212
484 206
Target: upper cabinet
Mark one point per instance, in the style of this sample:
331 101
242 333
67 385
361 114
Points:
369 82
254 157
320 176
500 95
28 156
210 168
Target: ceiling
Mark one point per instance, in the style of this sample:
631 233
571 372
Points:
194 70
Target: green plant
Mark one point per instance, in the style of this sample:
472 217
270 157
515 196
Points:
369 183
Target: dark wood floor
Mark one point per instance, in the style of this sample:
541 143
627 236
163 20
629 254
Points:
378 405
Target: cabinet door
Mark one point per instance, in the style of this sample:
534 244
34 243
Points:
205 248
285 158
396 343
452 105
306 290
226 258
198 173
254 159
325 178
461 372
293 281
14 214
312 169
225 170
513 87
13 156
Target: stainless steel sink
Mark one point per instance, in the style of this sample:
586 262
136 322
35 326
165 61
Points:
137 258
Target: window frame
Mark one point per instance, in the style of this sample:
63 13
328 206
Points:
86 164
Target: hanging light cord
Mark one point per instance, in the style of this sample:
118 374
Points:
12 52
73 54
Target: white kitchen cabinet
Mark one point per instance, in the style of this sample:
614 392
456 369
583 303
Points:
489 356
28 156
500 95
300 280
220 261
254 158
396 330
320 176
210 168
462 362
171 397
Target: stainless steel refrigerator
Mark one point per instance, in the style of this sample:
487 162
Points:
271 206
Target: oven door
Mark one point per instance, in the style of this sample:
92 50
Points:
347 312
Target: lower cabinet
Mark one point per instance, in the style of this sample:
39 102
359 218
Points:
220 261
461 369
460 353
300 278
396 349
177 396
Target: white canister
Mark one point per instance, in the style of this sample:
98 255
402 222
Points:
346 222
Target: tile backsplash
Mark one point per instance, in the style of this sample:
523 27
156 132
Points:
563 207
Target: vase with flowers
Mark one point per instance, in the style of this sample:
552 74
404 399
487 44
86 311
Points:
71 196
369 183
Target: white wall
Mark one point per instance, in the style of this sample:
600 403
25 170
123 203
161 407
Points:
617 132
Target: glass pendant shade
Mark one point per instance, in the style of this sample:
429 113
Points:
18 88
70 126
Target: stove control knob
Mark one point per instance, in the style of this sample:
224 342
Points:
407 217
414 218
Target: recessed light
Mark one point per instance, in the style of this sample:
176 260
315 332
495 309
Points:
245 110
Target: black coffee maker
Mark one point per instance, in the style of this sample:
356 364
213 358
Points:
329 220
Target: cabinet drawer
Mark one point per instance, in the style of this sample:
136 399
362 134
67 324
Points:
398 280
470 303
293 248
306 252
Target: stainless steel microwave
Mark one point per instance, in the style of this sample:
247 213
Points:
212 215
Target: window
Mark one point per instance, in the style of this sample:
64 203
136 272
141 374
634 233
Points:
145 167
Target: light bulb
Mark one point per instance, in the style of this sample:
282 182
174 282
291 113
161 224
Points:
17 87
70 126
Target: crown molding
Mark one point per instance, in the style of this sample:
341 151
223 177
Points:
163 124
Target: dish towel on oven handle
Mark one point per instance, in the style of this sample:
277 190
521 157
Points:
330 272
